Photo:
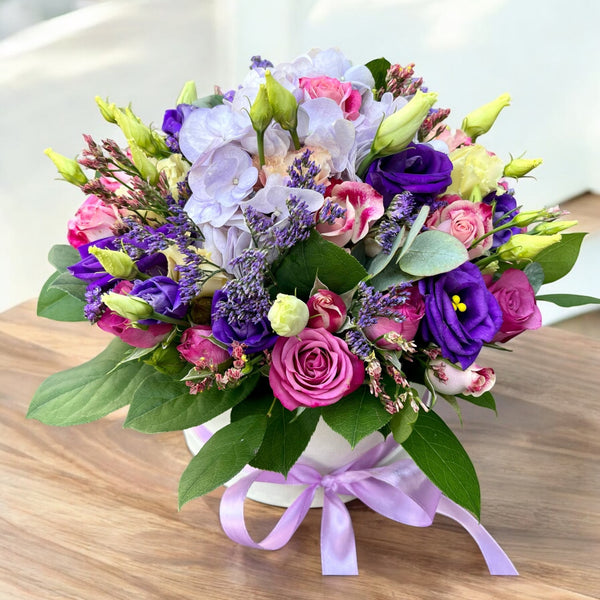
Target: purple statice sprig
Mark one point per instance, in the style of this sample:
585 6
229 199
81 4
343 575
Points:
369 304
401 212
260 63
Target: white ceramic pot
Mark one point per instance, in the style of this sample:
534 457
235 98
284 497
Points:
325 452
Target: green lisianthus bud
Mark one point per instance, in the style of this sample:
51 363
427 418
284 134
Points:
553 227
261 111
480 121
188 93
523 247
399 129
67 167
129 307
115 263
283 103
144 165
139 134
106 110
519 167
527 217
288 315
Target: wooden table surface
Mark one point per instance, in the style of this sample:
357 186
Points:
90 512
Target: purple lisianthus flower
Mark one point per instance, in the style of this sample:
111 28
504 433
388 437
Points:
460 313
505 208
255 336
89 268
172 122
162 294
418 169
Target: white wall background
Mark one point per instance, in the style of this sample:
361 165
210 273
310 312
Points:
544 52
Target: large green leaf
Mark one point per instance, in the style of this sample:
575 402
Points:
225 454
337 269
557 260
391 275
403 423
568 300
71 285
356 415
440 455
287 435
62 256
379 68
89 391
433 252
57 304
486 400
163 404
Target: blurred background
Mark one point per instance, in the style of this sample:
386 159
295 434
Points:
56 55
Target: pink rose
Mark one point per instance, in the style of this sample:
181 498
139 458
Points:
113 323
314 368
466 221
412 311
449 379
94 220
348 99
453 138
327 310
516 298
197 348
363 206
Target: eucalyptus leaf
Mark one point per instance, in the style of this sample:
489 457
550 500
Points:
356 415
89 391
568 300
337 269
415 230
441 456
71 285
62 256
557 260
382 260
223 456
535 275
433 252
208 101
390 276
57 304
165 404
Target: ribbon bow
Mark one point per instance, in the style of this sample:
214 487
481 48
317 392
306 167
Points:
399 491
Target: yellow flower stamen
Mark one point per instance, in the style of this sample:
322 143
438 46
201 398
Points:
457 304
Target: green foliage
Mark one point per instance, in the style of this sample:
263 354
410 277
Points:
337 269
225 454
568 300
403 423
440 455
486 400
379 68
58 305
535 275
89 391
557 260
356 416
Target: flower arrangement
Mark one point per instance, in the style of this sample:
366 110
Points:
316 243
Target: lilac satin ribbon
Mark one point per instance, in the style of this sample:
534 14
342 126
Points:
399 491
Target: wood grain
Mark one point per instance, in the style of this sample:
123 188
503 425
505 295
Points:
90 512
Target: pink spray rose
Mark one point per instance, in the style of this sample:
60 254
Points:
197 348
314 368
412 311
94 220
466 221
516 298
450 379
327 310
113 323
348 99
363 206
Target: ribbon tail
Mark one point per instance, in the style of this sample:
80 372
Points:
338 546
496 559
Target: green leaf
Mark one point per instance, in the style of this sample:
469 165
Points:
381 261
535 275
557 260
62 256
440 455
403 423
568 299
379 68
164 404
287 435
356 415
57 305
433 252
89 391
71 285
391 275
486 400
415 230
209 101
223 456
337 269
